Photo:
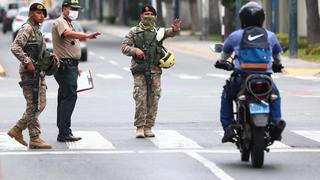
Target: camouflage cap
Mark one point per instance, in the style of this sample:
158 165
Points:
148 8
38 7
71 3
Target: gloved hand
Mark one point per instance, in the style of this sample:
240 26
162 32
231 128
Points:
277 68
224 65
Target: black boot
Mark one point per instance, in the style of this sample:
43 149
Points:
228 135
276 131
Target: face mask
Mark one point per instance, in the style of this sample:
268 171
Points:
149 20
73 15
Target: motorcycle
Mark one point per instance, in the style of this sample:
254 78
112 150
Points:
252 126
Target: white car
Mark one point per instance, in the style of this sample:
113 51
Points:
19 20
46 28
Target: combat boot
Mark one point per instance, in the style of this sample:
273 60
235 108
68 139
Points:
140 132
148 132
38 143
16 133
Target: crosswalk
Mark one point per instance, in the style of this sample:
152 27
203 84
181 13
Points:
164 140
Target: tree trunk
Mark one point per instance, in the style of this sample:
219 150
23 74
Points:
195 16
229 21
214 17
313 22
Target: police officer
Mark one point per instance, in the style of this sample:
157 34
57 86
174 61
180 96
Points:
66 46
30 35
140 37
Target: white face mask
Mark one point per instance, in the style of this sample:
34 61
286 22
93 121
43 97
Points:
73 15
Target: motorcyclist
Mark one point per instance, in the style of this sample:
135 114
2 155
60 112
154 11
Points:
251 15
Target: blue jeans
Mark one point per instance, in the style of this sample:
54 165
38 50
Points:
231 89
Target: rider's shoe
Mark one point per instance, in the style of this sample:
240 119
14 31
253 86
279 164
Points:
228 135
276 131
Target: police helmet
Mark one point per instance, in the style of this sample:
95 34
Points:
168 60
251 14
38 7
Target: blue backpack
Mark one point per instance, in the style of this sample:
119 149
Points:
254 53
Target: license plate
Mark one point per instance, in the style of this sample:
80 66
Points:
259 108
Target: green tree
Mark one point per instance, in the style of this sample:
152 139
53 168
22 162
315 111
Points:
313 22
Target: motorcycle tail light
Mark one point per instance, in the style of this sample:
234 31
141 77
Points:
260 88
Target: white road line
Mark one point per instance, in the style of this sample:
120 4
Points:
170 139
223 76
275 145
310 134
102 57
109 76
303 77
126 69
113 62
211 166
8 143
207 151
90 140
92 53
186 76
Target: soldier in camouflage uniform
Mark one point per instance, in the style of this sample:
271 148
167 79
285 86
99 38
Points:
132 46
28 35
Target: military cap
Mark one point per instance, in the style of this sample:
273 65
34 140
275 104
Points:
71 3
148 8
38 7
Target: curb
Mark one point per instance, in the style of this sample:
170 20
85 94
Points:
2 71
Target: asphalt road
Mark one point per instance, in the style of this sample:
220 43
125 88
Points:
188 141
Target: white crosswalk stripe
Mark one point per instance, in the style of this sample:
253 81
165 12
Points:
170 139
310 134
186 76
275 145
8 143
90 140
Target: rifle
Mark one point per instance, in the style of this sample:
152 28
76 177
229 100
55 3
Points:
148 76
34 51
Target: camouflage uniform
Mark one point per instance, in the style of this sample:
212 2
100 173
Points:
144 118
29 33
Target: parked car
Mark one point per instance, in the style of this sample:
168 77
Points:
10 13
21 18
46 28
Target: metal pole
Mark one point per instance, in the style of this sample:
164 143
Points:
293 47
177 9
275 15
238 6
101 11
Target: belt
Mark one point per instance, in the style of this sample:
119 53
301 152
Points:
69 61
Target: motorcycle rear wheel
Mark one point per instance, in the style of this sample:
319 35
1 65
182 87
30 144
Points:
258 147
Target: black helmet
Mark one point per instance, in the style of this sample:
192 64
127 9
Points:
251 14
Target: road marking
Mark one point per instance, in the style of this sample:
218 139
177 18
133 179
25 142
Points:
8 143
313 135
170 139
109 76
210 165
207 151
102 57
303 77
113 62
92 53
90 140
126 69
186 76
223 76
275 145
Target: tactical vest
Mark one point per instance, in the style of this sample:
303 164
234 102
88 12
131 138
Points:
35 48
146 41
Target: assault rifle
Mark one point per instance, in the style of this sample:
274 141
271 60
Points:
34 51
148 75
